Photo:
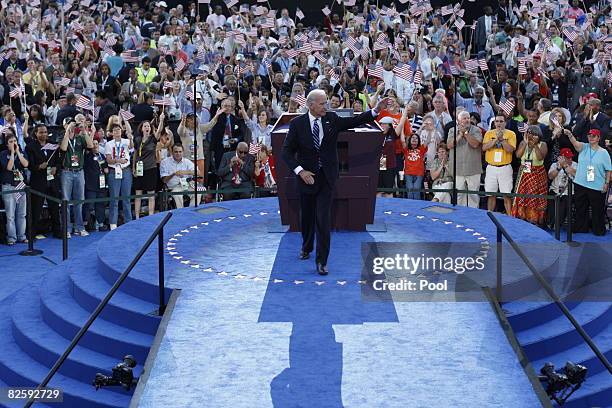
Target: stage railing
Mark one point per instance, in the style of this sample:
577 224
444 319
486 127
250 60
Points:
158 234
503 233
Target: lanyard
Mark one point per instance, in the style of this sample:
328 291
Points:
592 154
117 151
72 144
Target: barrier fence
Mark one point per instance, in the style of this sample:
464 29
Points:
256 192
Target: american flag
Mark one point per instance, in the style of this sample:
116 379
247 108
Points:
165 101
610 77
292 53
320 57
306 49
418 77
254 148
126 115
403 71
240 40
268 22
299 14
471 64
454 70
79 47
375 71
326 11
381 42
507 106
15 92
19 186
179 65
167 84
83 102
230 3
482 63
316 45
76 26
50 146
110 41
570 34
128 58
522 69
300 99
522 127
301 37
189 94
333 75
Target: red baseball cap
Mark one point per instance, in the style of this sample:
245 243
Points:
566 152
595 132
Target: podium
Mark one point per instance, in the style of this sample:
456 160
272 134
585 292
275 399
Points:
354 197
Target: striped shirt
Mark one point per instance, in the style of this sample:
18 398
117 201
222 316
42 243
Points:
416 122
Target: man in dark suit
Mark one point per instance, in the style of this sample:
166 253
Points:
310 150
227 133
67 111
592 118
107 108
484 26
236 172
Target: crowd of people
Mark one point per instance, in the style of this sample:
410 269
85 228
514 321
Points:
141 97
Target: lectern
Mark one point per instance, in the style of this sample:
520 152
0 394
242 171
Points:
354 198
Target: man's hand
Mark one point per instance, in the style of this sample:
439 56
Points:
307 177
43 165
382 104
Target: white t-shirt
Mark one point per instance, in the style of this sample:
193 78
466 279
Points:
120 150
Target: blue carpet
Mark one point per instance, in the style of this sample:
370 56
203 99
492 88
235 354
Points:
254 327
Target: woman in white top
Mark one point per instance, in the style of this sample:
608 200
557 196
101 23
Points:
261 130
117 152
431 138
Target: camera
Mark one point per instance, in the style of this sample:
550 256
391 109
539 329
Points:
561 385
122 375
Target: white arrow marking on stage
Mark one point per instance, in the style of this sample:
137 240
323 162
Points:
257 278
361 282
435 219
208 270
468 230
387 212
178 235
194 227
404 214
448 222
231 218
278 211
186 262
222 273
298 282
420 217
482 238
218 220
319 283
204 223
278 281
459 226
185 231
341 283
173 253
263 213
177 257
196 266
240 276
246 215
173 239
476 234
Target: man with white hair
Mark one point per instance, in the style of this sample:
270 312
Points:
479 105
310 150
469 163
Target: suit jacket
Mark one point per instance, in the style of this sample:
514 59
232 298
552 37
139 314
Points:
226 173
68 111
36 157
106 111
299 150
583 125
218 131
481 34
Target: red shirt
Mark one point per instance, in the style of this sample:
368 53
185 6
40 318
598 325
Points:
396 120
261 179
414 161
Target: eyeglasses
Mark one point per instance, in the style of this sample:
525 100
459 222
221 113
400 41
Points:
243 151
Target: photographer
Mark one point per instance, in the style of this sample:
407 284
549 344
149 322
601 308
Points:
236 172
12 169
560 174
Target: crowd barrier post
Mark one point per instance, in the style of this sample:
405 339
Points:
30 251
557 218
570 215
64 229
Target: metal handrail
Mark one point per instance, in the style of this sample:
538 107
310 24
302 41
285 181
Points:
502 231
157 233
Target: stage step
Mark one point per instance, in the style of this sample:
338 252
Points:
526 315
19 369
596 391
558 334
45 345
61 311
89 288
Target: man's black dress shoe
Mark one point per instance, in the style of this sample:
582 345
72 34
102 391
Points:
322 269
304 255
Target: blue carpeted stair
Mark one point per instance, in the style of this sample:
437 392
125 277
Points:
546 335
45 316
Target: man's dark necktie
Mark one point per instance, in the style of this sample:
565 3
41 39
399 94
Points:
315 139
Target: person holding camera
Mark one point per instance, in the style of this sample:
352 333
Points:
175 172
561 173
76 139
12 173
117 153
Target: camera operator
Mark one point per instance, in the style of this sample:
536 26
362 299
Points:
12 169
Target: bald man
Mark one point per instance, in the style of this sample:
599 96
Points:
236 172
310 150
